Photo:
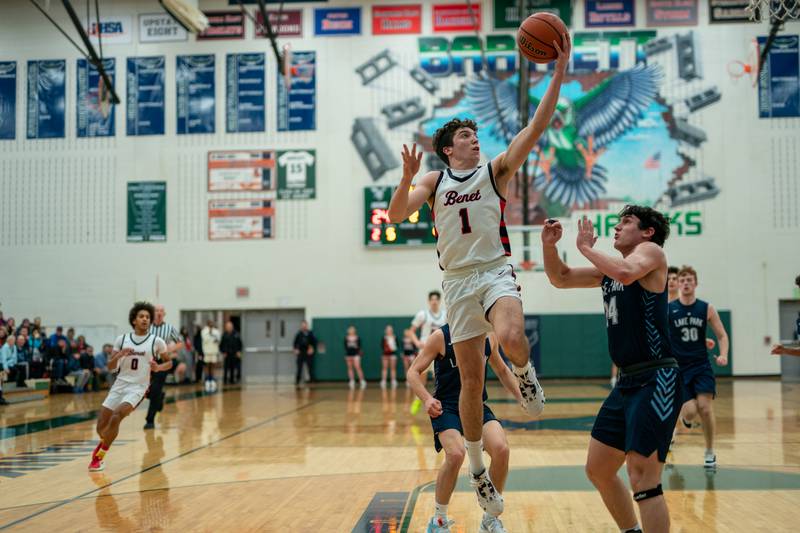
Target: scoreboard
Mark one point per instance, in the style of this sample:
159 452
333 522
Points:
379 232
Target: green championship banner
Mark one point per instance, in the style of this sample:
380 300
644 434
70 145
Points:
506 12
147 211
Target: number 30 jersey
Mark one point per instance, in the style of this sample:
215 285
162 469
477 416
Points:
135 368
468 214
636 320
687 329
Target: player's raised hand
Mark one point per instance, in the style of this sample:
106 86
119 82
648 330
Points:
564 50
586 237
125 352
433 407
551 233
411 161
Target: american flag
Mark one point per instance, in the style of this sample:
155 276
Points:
654 161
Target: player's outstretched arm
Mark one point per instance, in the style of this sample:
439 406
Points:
502 371
722 336
432 348
779 349
403 203
647 257
506 164
559 274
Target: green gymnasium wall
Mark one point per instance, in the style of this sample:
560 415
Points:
572 346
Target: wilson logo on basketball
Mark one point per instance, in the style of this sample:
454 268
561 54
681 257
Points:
452 197
530 46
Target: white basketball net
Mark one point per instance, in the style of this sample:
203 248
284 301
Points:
774 9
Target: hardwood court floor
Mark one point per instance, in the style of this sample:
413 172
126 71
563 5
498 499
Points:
327 459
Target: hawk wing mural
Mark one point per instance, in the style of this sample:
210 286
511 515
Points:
567 168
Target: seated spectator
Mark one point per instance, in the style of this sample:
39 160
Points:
37 325
80 344
8 358
57 360
23 359
87 363
25 324
11 326
101 371
76 370
52 342
37 348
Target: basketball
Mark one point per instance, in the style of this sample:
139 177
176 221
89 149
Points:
536 35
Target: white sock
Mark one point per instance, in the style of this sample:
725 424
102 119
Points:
475 455
441 512
522 370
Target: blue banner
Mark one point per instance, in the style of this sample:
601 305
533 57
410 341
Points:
194 79
337 21
245 98
779 80
8 99
145 96
95 116
297 106
47 81
610 13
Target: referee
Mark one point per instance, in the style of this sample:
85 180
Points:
174 342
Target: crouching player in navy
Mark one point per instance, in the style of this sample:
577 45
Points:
134 358
447 430
635 423
688 320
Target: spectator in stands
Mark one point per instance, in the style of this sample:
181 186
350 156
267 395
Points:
101 372
3 335
87 363
2 320
25 324
197 343
80 344
52 342
37 347
11 325
57 360
76 370
23 359
72 342
8 356
231 348
37 324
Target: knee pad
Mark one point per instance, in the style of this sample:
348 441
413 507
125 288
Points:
647 494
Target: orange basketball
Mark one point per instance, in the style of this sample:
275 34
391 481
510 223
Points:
536 35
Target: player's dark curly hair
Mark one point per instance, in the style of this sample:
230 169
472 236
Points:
141 306
649 218
434 293
444 135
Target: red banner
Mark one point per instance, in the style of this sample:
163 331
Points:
291 24
456 17
395 20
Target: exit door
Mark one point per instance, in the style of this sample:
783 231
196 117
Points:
268 338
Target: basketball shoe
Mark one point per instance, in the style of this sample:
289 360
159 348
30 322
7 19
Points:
532 393
491 524
437 525
489 499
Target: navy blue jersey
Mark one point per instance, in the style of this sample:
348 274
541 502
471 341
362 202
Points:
448 381
797 329
636 320
687 331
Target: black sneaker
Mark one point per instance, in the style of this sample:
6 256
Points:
149 425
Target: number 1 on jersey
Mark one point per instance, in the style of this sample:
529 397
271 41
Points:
465 227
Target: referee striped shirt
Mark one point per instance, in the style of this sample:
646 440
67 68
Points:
166 332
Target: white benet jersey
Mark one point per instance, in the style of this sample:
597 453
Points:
468 214
135 368
428 322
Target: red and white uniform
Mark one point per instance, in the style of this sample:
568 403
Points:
472 243
133 371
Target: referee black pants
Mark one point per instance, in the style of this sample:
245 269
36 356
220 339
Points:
307 360
157 380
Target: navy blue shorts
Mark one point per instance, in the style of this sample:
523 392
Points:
640 413
449 419
699 379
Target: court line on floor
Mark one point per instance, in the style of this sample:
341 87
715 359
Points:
159 464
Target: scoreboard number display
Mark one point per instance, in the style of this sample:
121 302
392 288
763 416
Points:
416 230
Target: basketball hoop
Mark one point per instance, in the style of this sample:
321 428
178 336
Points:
286 66
775 10
738 69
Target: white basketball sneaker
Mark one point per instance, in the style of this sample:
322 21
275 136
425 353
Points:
532 393
437 525
489 499
491 524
